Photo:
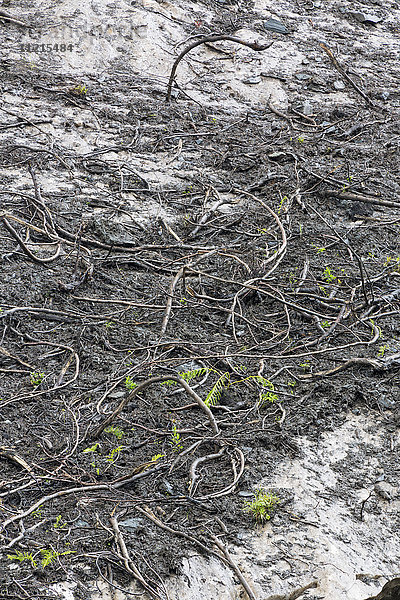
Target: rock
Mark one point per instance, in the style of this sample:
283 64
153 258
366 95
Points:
390 591
385 490
307 108
366 18
252 80
275 26
132 524
338 85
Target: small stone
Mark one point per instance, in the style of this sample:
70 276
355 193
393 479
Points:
385 490
338 85
303 76
366 18
132 524
307 108
81 523
246 494
254 80
275 26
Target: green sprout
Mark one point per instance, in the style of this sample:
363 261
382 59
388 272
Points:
328 275
119 433
59 524
22 557
36 378
268 393
382 350
175 439
129 383
262 505
115 452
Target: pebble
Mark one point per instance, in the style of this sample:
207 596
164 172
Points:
338 85
307 108
252 80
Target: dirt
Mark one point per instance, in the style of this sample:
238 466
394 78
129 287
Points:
245 237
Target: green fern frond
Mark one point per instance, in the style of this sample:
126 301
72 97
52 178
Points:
215 393
188 375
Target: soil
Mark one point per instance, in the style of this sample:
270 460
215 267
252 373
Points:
249 247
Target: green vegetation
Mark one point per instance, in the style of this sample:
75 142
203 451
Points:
129 383
36 378
262 505
48 557
119 433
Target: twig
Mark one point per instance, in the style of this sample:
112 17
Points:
210 38
192 471
234 567
361 198
344 74
76 490
6 17
128 562
141 387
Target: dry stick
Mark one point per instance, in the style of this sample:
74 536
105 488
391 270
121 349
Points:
361 198
295 594
234 567
7 17
129 564
172 287
377 364
210 38
141 387
225 558
192 471
24 246
76 490
226 490
277 257
344 74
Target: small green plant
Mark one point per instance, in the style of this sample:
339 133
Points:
300 140
281 203
50 556
36 378
382 350
129 383
119 433
318 249
80 90
306 365
328 275
109 324
113 455
22 557
393 263
262 505
215 393
325 324
375 327
157 457
175 440
91 449
59 523
267 393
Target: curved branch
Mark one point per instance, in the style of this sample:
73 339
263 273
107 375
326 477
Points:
140 388
210 38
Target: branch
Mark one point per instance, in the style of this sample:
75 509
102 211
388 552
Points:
210 38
